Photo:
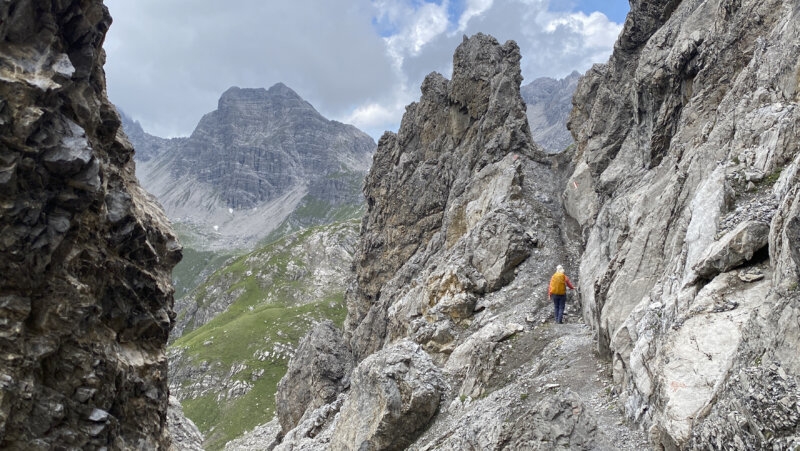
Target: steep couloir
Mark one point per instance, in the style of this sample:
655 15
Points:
85 253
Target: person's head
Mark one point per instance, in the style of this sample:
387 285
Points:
560 269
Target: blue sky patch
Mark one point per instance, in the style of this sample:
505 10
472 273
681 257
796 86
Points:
615 10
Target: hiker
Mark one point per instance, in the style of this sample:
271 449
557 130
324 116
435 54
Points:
558 292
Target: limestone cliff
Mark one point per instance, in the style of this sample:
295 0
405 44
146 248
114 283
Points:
85 253
686 188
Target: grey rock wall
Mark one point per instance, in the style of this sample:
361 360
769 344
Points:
686 190
85 253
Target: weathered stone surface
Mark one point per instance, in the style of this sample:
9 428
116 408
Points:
735 248
686 150
85 253
394 394
318 372
759 411
185 435
464 228
261 438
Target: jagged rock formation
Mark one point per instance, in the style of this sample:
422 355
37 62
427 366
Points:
85 253
463 229
687 191
259 157
549 102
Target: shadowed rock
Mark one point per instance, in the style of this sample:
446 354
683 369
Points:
85 253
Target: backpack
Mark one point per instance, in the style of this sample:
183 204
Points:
558 283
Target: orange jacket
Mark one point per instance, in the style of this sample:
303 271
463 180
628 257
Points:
558 284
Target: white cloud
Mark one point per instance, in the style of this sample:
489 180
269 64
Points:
473 8
168 62
374 116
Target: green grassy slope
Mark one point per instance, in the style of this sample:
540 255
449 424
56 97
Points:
279 294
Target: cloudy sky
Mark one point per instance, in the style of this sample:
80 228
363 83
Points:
356 61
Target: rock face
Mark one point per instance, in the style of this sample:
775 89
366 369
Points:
319 371
549 102
85 253
686 187
260 156
446 187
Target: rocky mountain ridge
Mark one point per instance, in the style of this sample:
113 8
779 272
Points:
447 318
252 164
548 103
696 305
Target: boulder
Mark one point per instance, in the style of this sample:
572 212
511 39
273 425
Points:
394 394
734 249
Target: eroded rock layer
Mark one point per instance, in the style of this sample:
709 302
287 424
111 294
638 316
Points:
687 191
85 253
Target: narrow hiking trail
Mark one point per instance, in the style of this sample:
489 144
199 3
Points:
576 367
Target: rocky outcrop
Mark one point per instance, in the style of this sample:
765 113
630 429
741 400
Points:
686 189
395 393
85 253
261 438
185 435
548 103
319 371
448 188
261 156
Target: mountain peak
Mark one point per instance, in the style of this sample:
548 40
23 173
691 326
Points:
238 96
283 90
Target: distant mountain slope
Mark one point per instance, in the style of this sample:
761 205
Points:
146 146
549 102
251 163
241 326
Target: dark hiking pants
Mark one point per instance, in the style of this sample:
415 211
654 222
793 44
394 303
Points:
559 302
